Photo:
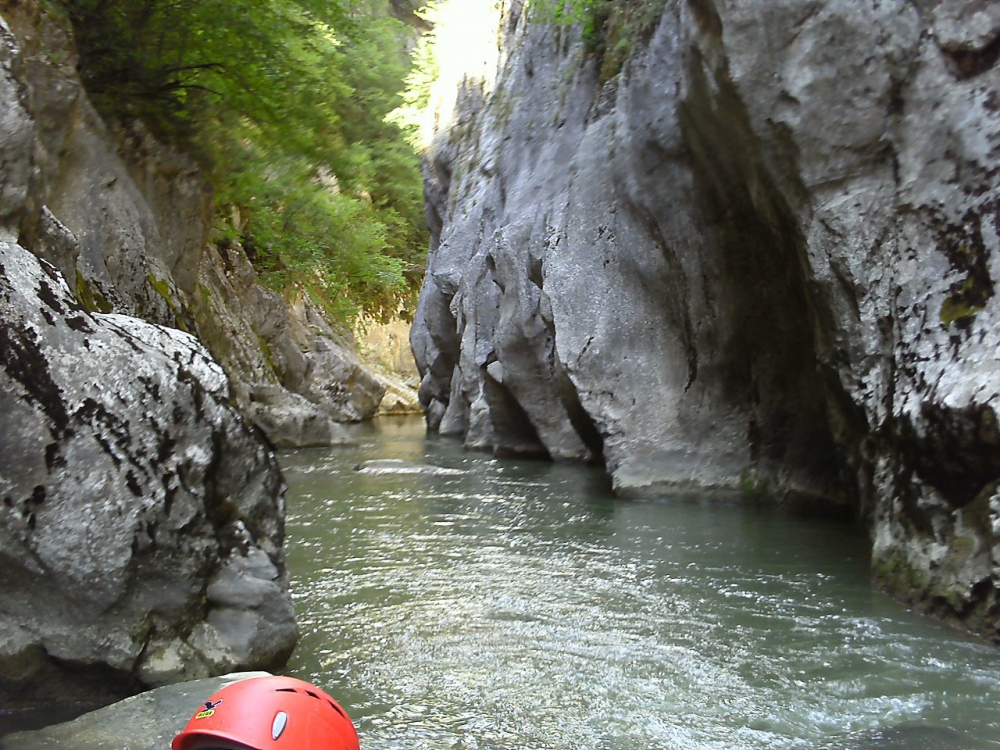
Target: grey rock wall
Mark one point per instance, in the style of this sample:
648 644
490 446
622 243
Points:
761 257
141 521
142 517
282 348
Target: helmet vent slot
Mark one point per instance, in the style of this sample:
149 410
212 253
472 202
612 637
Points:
338 709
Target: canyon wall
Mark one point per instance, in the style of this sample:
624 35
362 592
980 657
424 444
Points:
736 246
128 222
145 378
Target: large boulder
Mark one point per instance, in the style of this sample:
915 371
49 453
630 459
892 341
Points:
141 520
745 246
290 421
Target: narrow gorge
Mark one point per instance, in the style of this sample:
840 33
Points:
739 250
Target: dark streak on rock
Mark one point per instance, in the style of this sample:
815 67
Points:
133 483
80 324
52 455
169 493
167 445
107 424
152 387
188 378
22 357
38 496
47 294
969 63
957 452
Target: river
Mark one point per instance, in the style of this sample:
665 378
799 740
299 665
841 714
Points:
516 605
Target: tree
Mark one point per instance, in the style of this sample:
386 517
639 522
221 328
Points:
285 104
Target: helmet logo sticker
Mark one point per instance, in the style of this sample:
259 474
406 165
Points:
208 710
279 724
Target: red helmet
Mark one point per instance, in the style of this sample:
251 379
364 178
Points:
269 713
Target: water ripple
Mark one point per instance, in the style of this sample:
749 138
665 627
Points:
518 605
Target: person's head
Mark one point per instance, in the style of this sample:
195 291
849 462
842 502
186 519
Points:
269 713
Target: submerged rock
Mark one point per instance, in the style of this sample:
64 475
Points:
141 520
399 466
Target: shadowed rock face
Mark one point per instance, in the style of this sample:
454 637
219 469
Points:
140 520
760 257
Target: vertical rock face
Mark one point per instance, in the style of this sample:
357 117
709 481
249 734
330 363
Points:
755 250
281 355
122 216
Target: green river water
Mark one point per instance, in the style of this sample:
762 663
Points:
516 605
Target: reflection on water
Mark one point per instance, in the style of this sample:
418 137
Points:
518 605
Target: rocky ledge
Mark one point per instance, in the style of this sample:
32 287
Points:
143 722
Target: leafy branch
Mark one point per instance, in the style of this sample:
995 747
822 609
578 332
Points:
268 95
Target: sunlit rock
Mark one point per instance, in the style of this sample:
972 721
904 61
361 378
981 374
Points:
141 520
743 246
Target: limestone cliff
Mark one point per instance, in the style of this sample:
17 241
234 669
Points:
743 246
142 518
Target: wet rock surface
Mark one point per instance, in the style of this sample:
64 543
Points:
753 247
143 722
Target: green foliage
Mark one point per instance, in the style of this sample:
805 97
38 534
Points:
611 30
303 233
162 288
962 306
286 103
89 297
